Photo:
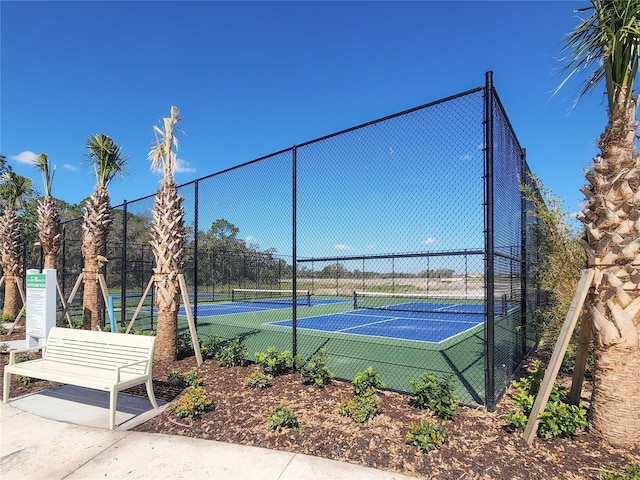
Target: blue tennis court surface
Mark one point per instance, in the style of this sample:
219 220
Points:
420 326
226 308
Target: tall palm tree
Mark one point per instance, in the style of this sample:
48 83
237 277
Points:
13 188
108 161
48 215
167 238
606 42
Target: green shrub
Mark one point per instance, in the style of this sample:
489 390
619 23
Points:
210 347
184 345
3 330
7 318
4 347
24 357
427 435
276 363
434 393
258 380
180 380
361 408
558 419
234 353
631 472
363 382
191 404
282 416
316 370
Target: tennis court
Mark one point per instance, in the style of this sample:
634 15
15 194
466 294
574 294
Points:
404 317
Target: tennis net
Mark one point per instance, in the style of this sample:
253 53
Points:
266 296
417 302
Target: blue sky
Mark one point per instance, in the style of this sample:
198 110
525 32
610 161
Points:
252 78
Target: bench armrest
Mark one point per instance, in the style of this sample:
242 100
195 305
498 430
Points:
13 353
139 362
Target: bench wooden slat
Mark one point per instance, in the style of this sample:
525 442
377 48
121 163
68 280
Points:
103 361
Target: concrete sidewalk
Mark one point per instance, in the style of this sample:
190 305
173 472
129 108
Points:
62 433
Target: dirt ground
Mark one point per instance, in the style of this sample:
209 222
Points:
479 446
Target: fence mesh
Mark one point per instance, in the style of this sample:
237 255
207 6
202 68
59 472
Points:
395 206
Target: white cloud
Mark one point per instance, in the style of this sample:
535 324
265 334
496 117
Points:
342 246
429 241
249 239
68 166
26 157
371 247
182 166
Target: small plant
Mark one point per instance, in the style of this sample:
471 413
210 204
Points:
24 357
3 330
631 472
434 393
427 435
180 380
365 381
276 363
7 318
258 380
191 404
4 347
558 419
282 416
361 408
210 347
316 370
184 345
234 353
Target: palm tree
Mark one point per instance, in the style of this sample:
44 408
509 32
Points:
48 215
606 42
167 238
13 188
108 161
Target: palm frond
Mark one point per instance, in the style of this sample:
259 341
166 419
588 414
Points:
605 45
162 157
13 188
42 164
106 158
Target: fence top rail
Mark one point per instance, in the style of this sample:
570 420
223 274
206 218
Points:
442 253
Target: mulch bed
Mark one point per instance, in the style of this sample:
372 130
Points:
480 444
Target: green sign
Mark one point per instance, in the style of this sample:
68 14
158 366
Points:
36 280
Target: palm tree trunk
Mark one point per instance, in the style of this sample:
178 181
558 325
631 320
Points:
49 230
12 300
94 240
612 220
167 241
10 253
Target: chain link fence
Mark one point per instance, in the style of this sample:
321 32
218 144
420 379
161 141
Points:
410 235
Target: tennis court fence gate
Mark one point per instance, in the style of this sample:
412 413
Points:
425 201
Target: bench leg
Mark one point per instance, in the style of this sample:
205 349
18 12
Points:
6 386
150 394
113 401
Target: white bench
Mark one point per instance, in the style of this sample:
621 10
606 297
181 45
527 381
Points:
98 360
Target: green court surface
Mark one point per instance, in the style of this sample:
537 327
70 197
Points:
397 360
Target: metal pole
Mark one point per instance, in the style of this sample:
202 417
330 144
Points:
195 253
489 247
523 255
123 267
294 250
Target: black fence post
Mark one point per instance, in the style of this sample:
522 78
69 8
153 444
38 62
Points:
489 247
195 253
123 268
294 252
523 254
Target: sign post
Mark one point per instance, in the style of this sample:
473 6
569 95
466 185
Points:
41 305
